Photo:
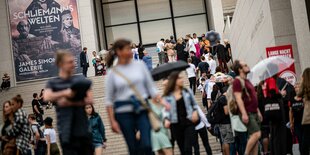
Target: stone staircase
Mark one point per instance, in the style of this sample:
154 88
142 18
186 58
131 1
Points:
116 144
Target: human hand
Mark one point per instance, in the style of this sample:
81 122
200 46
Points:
260 117
167 123
245 118
115 127
104 145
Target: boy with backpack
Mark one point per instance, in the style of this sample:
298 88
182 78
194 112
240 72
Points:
38 136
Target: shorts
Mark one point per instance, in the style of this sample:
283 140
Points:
226 134
97 145
265 131
254 123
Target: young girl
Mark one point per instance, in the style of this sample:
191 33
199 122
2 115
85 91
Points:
98 130
50 135
183 113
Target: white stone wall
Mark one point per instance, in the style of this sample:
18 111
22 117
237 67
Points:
215 15
302 32
6 61
88 29
251 31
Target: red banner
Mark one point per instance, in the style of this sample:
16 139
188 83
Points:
286 50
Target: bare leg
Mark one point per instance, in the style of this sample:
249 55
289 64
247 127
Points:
226 149
98 151
252 142
167 151
266 145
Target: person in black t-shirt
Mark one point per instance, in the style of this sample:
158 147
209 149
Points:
221 56
296 114
37 109
72 122
225 126
195 60
203 66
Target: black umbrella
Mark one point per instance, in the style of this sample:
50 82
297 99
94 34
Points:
164 70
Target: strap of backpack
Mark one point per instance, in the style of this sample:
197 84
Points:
242 81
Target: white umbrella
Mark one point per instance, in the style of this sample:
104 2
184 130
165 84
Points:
268 68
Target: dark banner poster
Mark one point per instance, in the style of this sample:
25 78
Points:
39 28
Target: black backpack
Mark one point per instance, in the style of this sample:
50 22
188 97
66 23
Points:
216 112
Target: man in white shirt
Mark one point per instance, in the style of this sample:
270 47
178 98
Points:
160 50
191 74
212 64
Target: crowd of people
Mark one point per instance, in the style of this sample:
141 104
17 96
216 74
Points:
247 119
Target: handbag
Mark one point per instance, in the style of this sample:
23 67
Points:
10 147
153 118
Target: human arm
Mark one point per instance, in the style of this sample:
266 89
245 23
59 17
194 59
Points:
102 129
50 95
291 119
48 140
260 116
114 124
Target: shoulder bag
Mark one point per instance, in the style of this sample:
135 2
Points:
153 118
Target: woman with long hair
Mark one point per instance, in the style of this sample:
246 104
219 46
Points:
170 50
7 125
181 54
304 92
128 83
97 127
183 113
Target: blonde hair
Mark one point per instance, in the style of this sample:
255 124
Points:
179 41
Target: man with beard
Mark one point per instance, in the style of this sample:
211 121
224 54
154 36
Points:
37 5
70 36
23 28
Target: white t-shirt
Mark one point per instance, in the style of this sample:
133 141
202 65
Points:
160 45
212 65
210 89
51 133
191 45
196 40
191 71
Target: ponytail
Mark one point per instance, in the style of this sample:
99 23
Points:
119 44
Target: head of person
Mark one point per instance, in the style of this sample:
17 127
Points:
167 41
16 103
194 35
133 46
67 19
48 122
5 74
180 41
175 81
121 49
145 52
240 67
42 92
189 60
210 57
85 49
165 82
188 37
162 39
23 28
171 37
31 118
226 41
218 69
35 95
203 38
89 109
204 75
94 53
202 58
218 42
65 61
6 109
192 53
203 35
297 86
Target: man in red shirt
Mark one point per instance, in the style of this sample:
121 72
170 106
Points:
248 106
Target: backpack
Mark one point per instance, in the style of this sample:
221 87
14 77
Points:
40 143
216 112
231 100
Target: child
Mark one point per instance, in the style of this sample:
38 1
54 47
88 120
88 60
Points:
50 135
147 59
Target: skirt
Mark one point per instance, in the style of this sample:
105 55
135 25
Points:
160 140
